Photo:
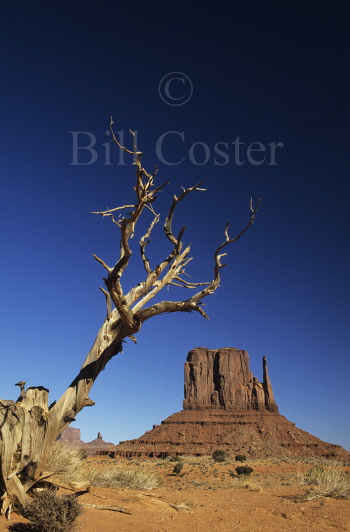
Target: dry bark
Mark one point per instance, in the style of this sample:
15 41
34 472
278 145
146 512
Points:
111 507
29 427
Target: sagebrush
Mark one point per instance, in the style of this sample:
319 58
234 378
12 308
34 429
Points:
50 512
67 462
178 468
326 481
219 455
121 477
244 470
245 482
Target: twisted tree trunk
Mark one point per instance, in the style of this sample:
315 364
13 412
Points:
29 427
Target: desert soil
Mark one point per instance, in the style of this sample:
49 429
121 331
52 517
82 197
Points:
205 497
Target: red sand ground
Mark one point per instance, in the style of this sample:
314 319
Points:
210 504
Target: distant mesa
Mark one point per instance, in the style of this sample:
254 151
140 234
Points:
71 436
226 407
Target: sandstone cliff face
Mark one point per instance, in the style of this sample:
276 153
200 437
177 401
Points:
221 379
70 436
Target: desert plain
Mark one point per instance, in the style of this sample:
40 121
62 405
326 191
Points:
208 496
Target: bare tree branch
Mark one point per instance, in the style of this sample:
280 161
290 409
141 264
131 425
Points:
176 200
146 240
193 302
108 302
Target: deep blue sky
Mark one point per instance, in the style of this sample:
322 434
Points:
265 72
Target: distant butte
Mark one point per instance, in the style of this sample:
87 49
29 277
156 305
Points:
71 436
225 407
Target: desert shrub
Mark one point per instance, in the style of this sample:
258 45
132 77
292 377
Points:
135 478
241 458
219 455
245 482
327 481
315 476
50 512
83 454
66 461
244 470
175 459
178 468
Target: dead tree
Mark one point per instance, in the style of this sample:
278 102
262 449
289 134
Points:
29 427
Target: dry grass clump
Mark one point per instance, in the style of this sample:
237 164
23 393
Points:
245 482
135 478
325 481
66 462
49 512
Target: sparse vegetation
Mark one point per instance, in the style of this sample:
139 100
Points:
50 512
178 468
245 482
204 482
67 462
124 477
219 455
244 470
325 481
175 459
241 458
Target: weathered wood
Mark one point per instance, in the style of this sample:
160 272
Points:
54 480
112 507
29 428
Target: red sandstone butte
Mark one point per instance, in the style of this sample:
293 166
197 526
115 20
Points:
226 408
222 379
71 436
